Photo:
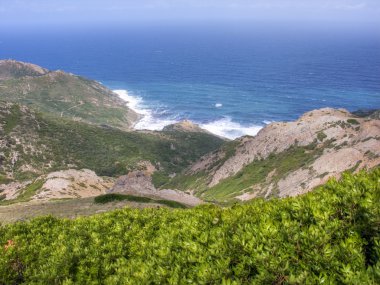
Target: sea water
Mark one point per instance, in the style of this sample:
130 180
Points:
230 80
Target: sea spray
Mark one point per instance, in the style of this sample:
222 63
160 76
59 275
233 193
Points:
227 128
148 120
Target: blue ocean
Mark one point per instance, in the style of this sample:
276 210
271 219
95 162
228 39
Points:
230 80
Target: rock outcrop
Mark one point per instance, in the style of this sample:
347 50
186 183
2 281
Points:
73 184
10 69
139 183
65 184
338 141
184 126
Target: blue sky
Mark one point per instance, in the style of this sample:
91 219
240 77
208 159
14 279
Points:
30 12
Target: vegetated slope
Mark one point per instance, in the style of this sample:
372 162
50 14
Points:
32 144
286 159
63 94
329 236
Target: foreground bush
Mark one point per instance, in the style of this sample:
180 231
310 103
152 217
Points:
330 236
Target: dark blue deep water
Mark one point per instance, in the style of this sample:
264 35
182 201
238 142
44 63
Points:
230 80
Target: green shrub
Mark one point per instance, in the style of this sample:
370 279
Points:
329 236
106 198
114 197
170 203
159 178
353 122
321 136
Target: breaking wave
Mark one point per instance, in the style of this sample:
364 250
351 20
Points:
150 120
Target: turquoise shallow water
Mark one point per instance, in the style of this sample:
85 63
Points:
231 81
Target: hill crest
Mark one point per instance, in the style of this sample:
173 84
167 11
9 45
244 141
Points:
63 94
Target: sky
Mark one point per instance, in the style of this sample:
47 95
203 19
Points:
65 12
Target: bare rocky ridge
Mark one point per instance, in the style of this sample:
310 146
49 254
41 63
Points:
346 142
10 69
139 183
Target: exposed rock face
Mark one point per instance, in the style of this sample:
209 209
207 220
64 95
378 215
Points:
134 183
73 184
139 183
346 142
12 190
185 126
64 184
15 69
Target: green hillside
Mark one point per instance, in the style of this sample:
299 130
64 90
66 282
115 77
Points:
63 95
36 143
329 236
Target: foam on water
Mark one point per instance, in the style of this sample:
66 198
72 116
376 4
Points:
227 128
148 120
133 102
151 121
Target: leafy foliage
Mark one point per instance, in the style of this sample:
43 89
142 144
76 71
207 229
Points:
329 236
